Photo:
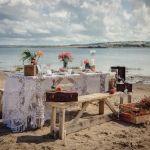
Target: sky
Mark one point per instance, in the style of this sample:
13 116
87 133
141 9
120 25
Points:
65 22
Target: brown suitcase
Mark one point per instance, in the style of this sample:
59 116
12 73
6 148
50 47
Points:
122 87
63 96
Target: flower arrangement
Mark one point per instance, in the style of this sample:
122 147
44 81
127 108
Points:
31 57
143 103
65 57
86 61
87 65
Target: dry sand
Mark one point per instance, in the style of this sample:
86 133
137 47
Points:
115 134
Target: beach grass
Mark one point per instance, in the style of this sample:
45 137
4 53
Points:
134 68
18 67
74 67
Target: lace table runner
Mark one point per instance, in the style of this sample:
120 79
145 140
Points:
24 99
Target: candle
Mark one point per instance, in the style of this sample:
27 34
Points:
92 62
112 75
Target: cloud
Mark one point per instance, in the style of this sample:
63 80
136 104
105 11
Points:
73 21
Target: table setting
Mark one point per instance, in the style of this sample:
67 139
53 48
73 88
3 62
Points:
24 102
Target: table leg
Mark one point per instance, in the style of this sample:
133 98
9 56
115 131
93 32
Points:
61 123
80 112
111 107
129 97
101 107
53 120
121 98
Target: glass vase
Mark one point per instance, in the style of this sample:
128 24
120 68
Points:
65 64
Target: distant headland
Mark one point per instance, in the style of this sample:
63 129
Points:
120 44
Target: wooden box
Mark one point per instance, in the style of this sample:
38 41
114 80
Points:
122 87
130 113
30 70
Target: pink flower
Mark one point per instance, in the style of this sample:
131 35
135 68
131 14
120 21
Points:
141 102
66 57
61 56
145 99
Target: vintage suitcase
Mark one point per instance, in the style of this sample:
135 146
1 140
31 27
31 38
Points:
63 96
120 71
122 87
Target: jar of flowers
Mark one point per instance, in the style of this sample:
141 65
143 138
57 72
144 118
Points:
32 57
31 69
65 57
86 63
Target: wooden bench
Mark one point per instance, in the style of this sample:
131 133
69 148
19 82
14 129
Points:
75 126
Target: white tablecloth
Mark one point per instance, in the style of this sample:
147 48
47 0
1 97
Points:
24 99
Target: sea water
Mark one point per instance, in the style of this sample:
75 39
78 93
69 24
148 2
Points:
136 60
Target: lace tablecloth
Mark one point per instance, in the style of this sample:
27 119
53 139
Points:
24 99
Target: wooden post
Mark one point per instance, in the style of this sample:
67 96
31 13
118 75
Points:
61 123
129 97
83 105
101 107
121 99
80 112
53 120
111 108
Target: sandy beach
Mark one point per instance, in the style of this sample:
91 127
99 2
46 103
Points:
115 134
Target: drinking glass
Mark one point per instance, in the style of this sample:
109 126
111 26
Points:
81 65
48 66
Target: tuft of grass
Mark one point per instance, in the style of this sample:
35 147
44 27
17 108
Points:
133 69
18 67
74 67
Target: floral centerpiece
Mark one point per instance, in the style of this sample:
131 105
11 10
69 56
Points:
65 57
143 103
32 57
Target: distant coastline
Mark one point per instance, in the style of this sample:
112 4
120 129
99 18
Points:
124 44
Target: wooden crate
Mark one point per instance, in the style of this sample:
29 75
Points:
30 70
130 113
